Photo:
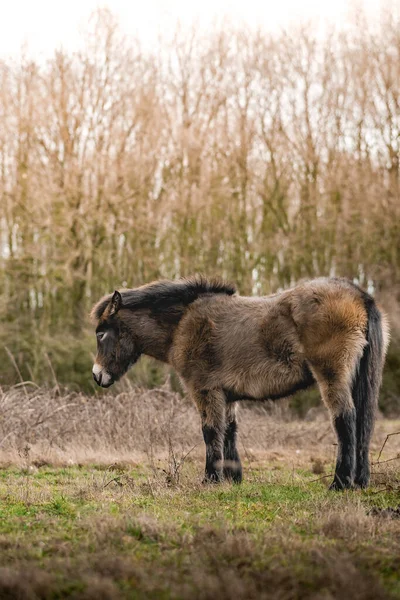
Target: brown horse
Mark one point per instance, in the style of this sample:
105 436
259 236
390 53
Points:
227 347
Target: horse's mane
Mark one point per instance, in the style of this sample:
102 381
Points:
166 293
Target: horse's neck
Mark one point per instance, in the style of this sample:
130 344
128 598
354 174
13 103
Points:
155 337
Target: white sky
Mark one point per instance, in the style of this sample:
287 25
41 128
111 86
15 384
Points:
43 25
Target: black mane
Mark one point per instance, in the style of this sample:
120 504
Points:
166 293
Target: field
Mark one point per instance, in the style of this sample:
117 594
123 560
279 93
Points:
102 498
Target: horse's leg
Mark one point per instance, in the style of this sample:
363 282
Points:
343 414
365 424
232 465
338 399
364 432
211 405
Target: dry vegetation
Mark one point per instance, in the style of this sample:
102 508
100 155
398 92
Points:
262 158
101 498
138 425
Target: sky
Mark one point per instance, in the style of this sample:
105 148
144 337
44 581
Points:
40 26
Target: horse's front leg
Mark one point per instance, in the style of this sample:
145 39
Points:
232 465
211 405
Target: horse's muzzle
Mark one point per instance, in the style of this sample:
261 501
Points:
103 379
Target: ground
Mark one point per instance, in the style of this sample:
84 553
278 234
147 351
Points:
103 526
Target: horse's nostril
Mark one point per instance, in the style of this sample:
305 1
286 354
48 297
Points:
97 378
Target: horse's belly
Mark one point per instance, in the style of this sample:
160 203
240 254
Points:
271 382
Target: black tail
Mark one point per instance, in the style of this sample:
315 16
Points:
366 386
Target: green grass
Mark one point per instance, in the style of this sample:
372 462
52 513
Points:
125 533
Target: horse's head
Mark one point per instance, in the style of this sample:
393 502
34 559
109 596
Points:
117 349
143 320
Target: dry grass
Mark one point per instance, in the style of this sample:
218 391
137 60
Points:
99 499
140 425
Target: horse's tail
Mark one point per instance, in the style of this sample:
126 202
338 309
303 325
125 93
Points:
367 381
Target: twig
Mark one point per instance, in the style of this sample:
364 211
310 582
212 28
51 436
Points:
116 479
248 457
384 443
27 382
7 436
320 437
52 372
388 460
187 454
14 362
384 489
323 477
53 412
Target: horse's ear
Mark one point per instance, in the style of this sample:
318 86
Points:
115 303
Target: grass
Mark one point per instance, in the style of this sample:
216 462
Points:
86 532
98 502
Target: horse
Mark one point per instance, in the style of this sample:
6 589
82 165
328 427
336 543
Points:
226 347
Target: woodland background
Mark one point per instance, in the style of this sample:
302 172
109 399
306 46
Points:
261 158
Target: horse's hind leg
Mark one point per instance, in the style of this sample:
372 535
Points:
211 405
337 397
364 432
232 465
345 425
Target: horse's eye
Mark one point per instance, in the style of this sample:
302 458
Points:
100 335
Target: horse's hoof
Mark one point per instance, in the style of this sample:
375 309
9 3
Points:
233 475
361 484
362 480
212 479
339 485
